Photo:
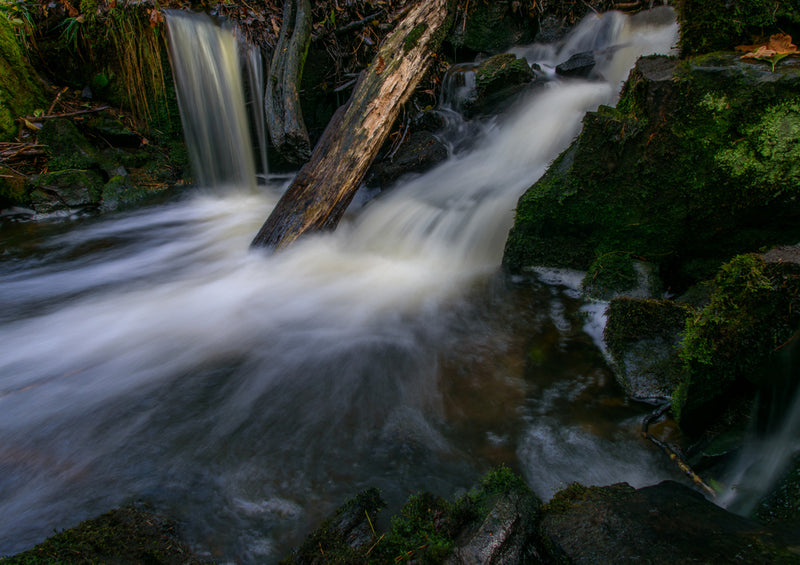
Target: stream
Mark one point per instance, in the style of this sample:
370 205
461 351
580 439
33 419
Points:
151 355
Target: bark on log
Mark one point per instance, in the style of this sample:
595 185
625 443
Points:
282 101
323 188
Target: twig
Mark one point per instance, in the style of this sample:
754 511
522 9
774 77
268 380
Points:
359 24
57 98
673 455
66 114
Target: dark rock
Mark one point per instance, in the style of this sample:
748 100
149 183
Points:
65 191
498 80
342 538
579 65
667 524
691 168
131 535
752 313
504 535
643 337
421 151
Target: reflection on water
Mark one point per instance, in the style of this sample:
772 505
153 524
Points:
151 355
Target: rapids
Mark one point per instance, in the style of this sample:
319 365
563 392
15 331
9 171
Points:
151 355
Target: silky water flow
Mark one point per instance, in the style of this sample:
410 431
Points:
151 355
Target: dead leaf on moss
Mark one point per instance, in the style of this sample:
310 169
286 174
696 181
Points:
778 47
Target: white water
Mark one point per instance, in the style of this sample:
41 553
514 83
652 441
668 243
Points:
152 355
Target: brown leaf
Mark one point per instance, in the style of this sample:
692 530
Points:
780 43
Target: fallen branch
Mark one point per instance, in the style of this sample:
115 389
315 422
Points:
671 453
324 187
65 114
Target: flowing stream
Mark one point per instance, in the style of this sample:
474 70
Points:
150 355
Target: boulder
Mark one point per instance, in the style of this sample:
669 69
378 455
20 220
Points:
695 164
578 65
643 336
498 80
667 524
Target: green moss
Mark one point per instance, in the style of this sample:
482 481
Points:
413 36
20 91
418 533
132 534
610 273
752 311
727 130
631 320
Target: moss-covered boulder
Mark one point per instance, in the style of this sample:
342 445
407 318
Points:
128 536
754 310
498 80
21 92
712 25
642 337
698 162
65 191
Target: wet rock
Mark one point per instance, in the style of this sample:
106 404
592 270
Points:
579 65
498 80
421 151
643 338
131 535
342 538
503 537
68 190
667 524
654 176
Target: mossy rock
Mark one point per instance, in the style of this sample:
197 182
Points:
754 309
127 536
643 337
712 25
493 523
66 146
21 92
697 163
498 80
65 191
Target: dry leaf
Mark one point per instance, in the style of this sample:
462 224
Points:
778 47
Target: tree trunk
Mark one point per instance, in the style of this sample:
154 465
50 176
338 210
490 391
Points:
282 101
324 187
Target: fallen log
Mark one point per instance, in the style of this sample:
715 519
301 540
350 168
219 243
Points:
282 100
322 190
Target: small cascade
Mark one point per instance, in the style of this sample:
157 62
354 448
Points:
774 437
205 63
255 101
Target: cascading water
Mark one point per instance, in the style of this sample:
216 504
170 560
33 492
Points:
207 70
150 354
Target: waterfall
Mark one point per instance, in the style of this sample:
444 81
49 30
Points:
149 354
207 70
